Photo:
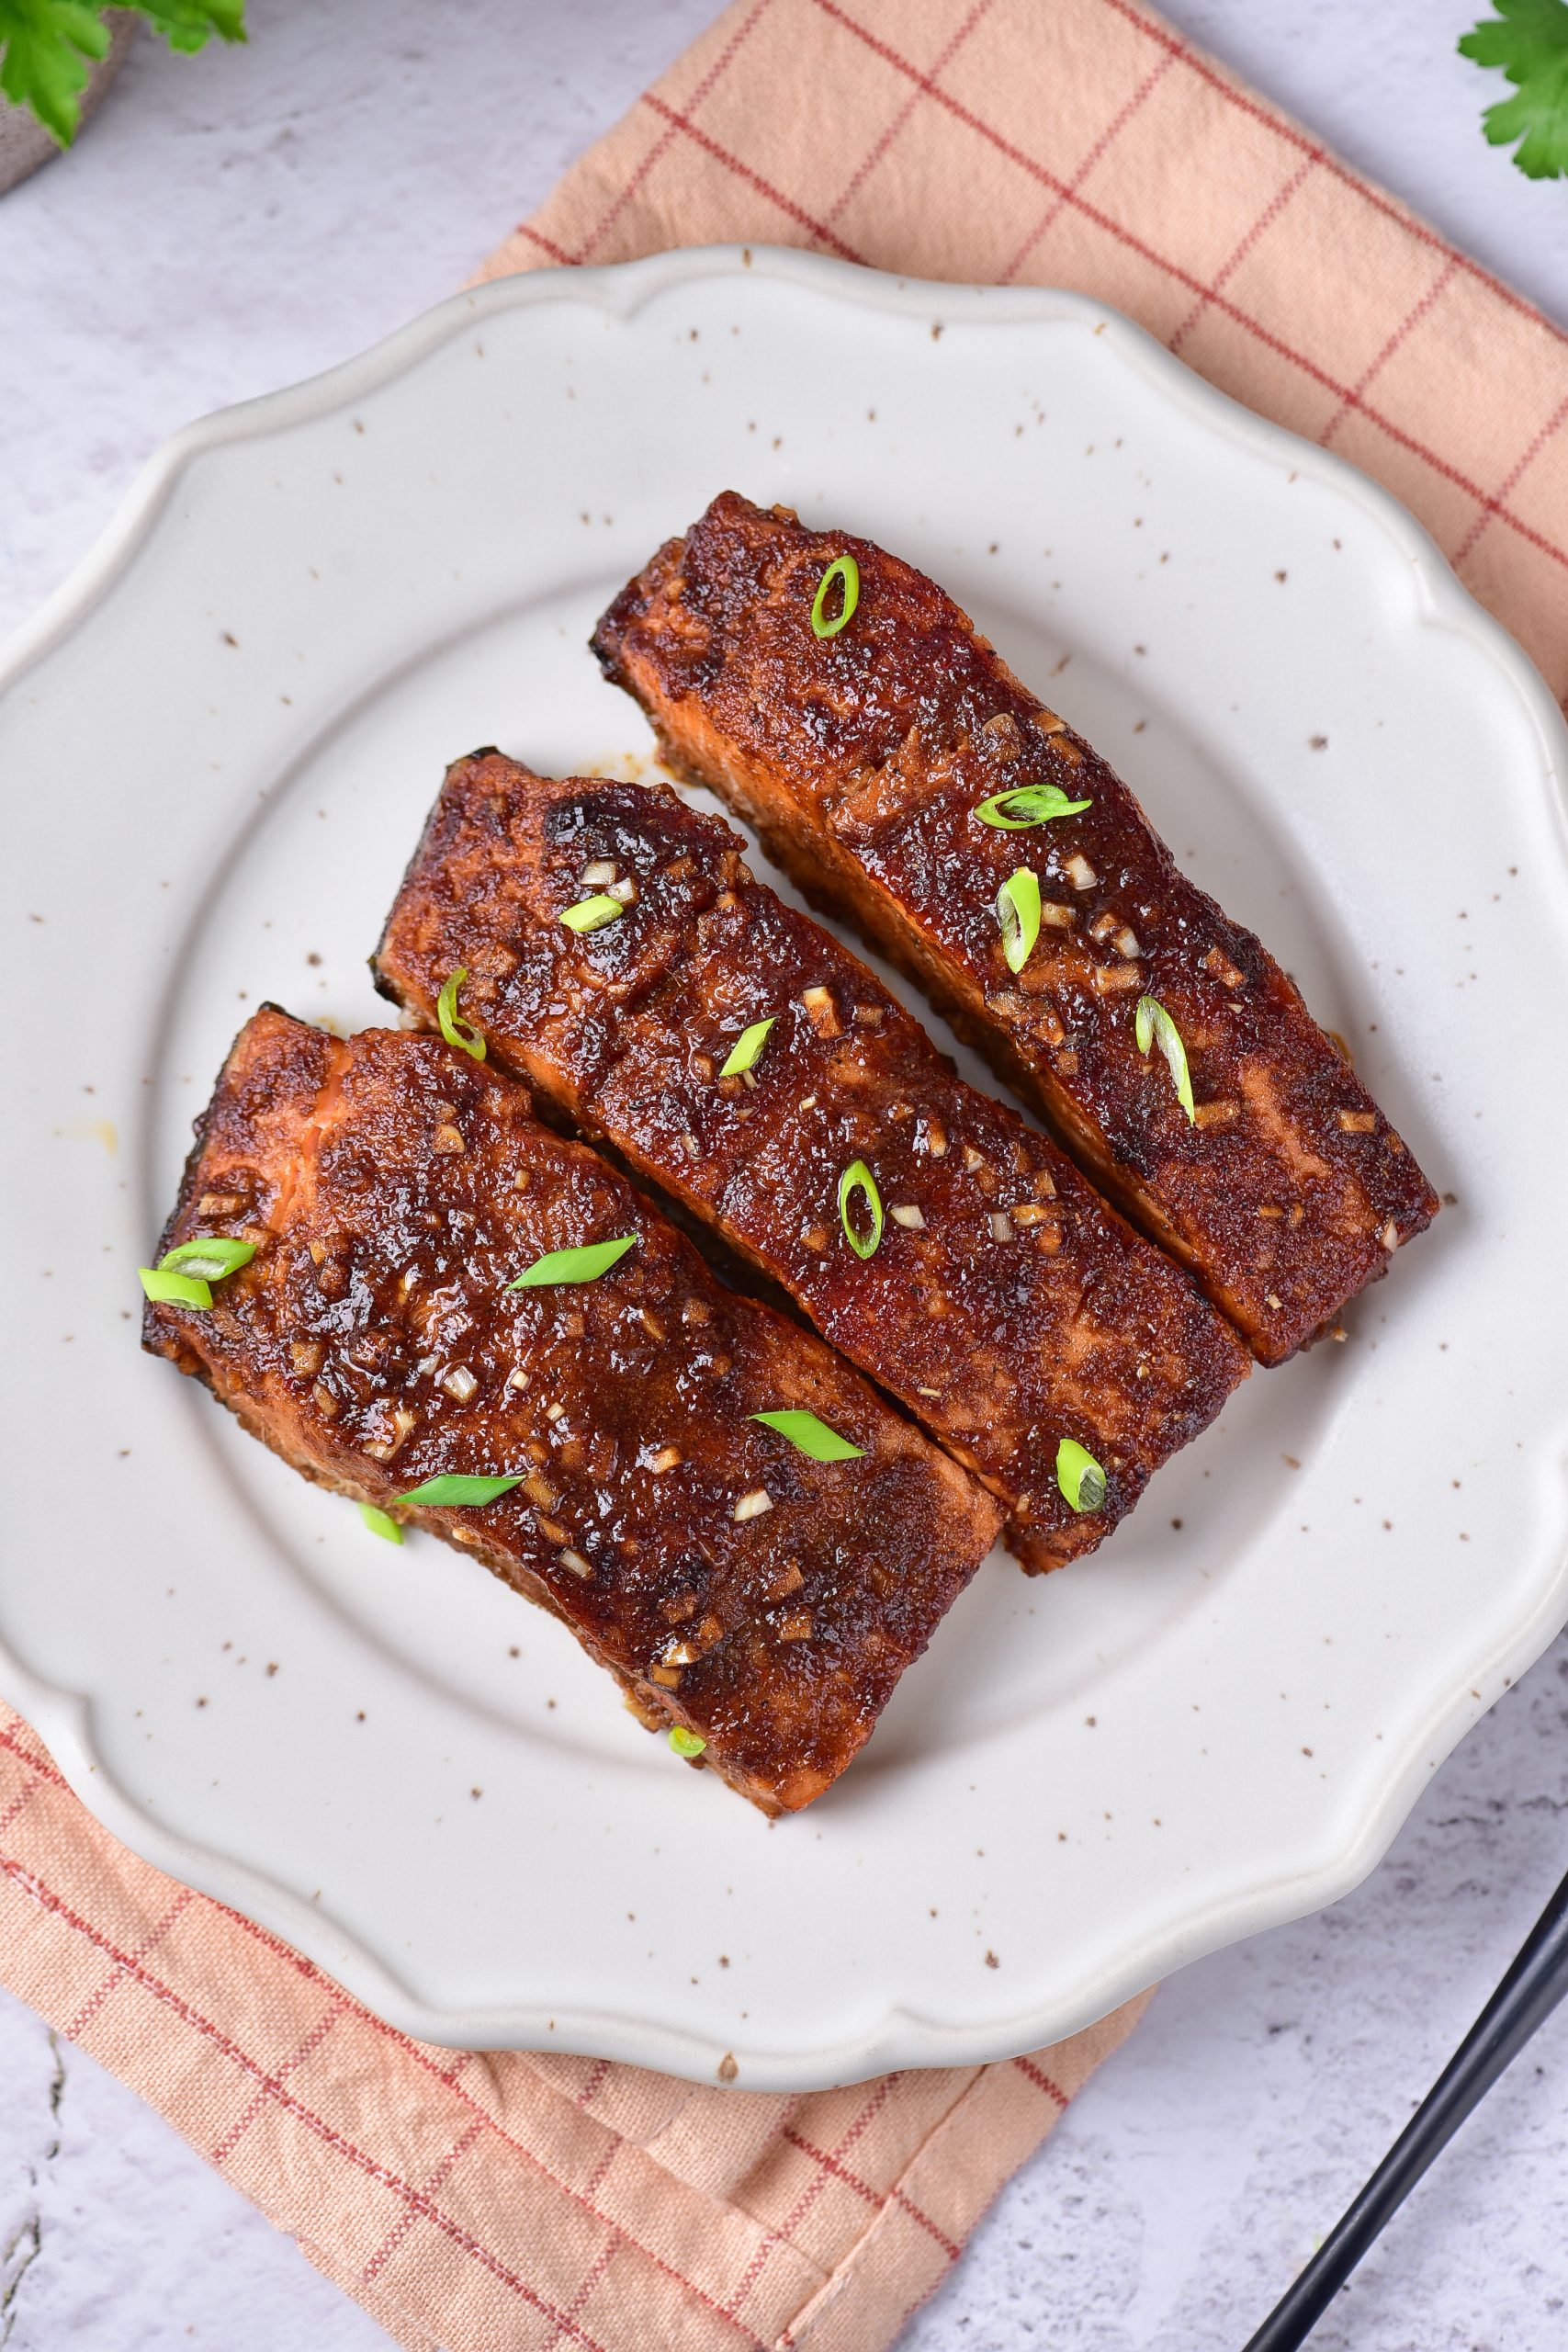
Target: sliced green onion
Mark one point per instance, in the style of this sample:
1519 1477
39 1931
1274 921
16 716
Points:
174 1290
813 1437
461 1034
583 1265
184 1274
212 1260
684 1742
858 1178
846 569
747 1050
1153 1026
458 1493
1018 911
1079 1476
1027 804
592 914
381 1524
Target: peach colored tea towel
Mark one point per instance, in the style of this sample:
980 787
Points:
1083 143
497 2202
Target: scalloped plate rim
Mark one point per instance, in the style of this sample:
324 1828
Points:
902 2037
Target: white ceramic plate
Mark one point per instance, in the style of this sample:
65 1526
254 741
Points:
218 745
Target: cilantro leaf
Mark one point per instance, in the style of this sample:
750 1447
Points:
1529 39
187 24
48 46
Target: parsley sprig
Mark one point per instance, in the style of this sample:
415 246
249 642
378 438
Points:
49 47
1529 40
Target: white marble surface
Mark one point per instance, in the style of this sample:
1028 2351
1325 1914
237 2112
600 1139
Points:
234 224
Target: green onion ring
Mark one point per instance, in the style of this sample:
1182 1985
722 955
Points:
846 569
858 1178
1153 1026
1018 911
461 1034
1080 1477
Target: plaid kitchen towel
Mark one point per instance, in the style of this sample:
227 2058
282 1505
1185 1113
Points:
501 2201
1085 144
483 2203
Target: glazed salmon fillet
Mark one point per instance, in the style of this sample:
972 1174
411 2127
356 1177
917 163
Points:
743 1593
865 757
1001 1302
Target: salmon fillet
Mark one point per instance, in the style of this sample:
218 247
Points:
863 757
1005 1305
393 1187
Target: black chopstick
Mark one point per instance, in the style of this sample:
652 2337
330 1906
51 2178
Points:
1525 1999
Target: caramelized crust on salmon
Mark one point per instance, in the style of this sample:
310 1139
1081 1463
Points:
393 1188
1006 1305
862 759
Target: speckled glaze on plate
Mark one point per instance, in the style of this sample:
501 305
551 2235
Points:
219 741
